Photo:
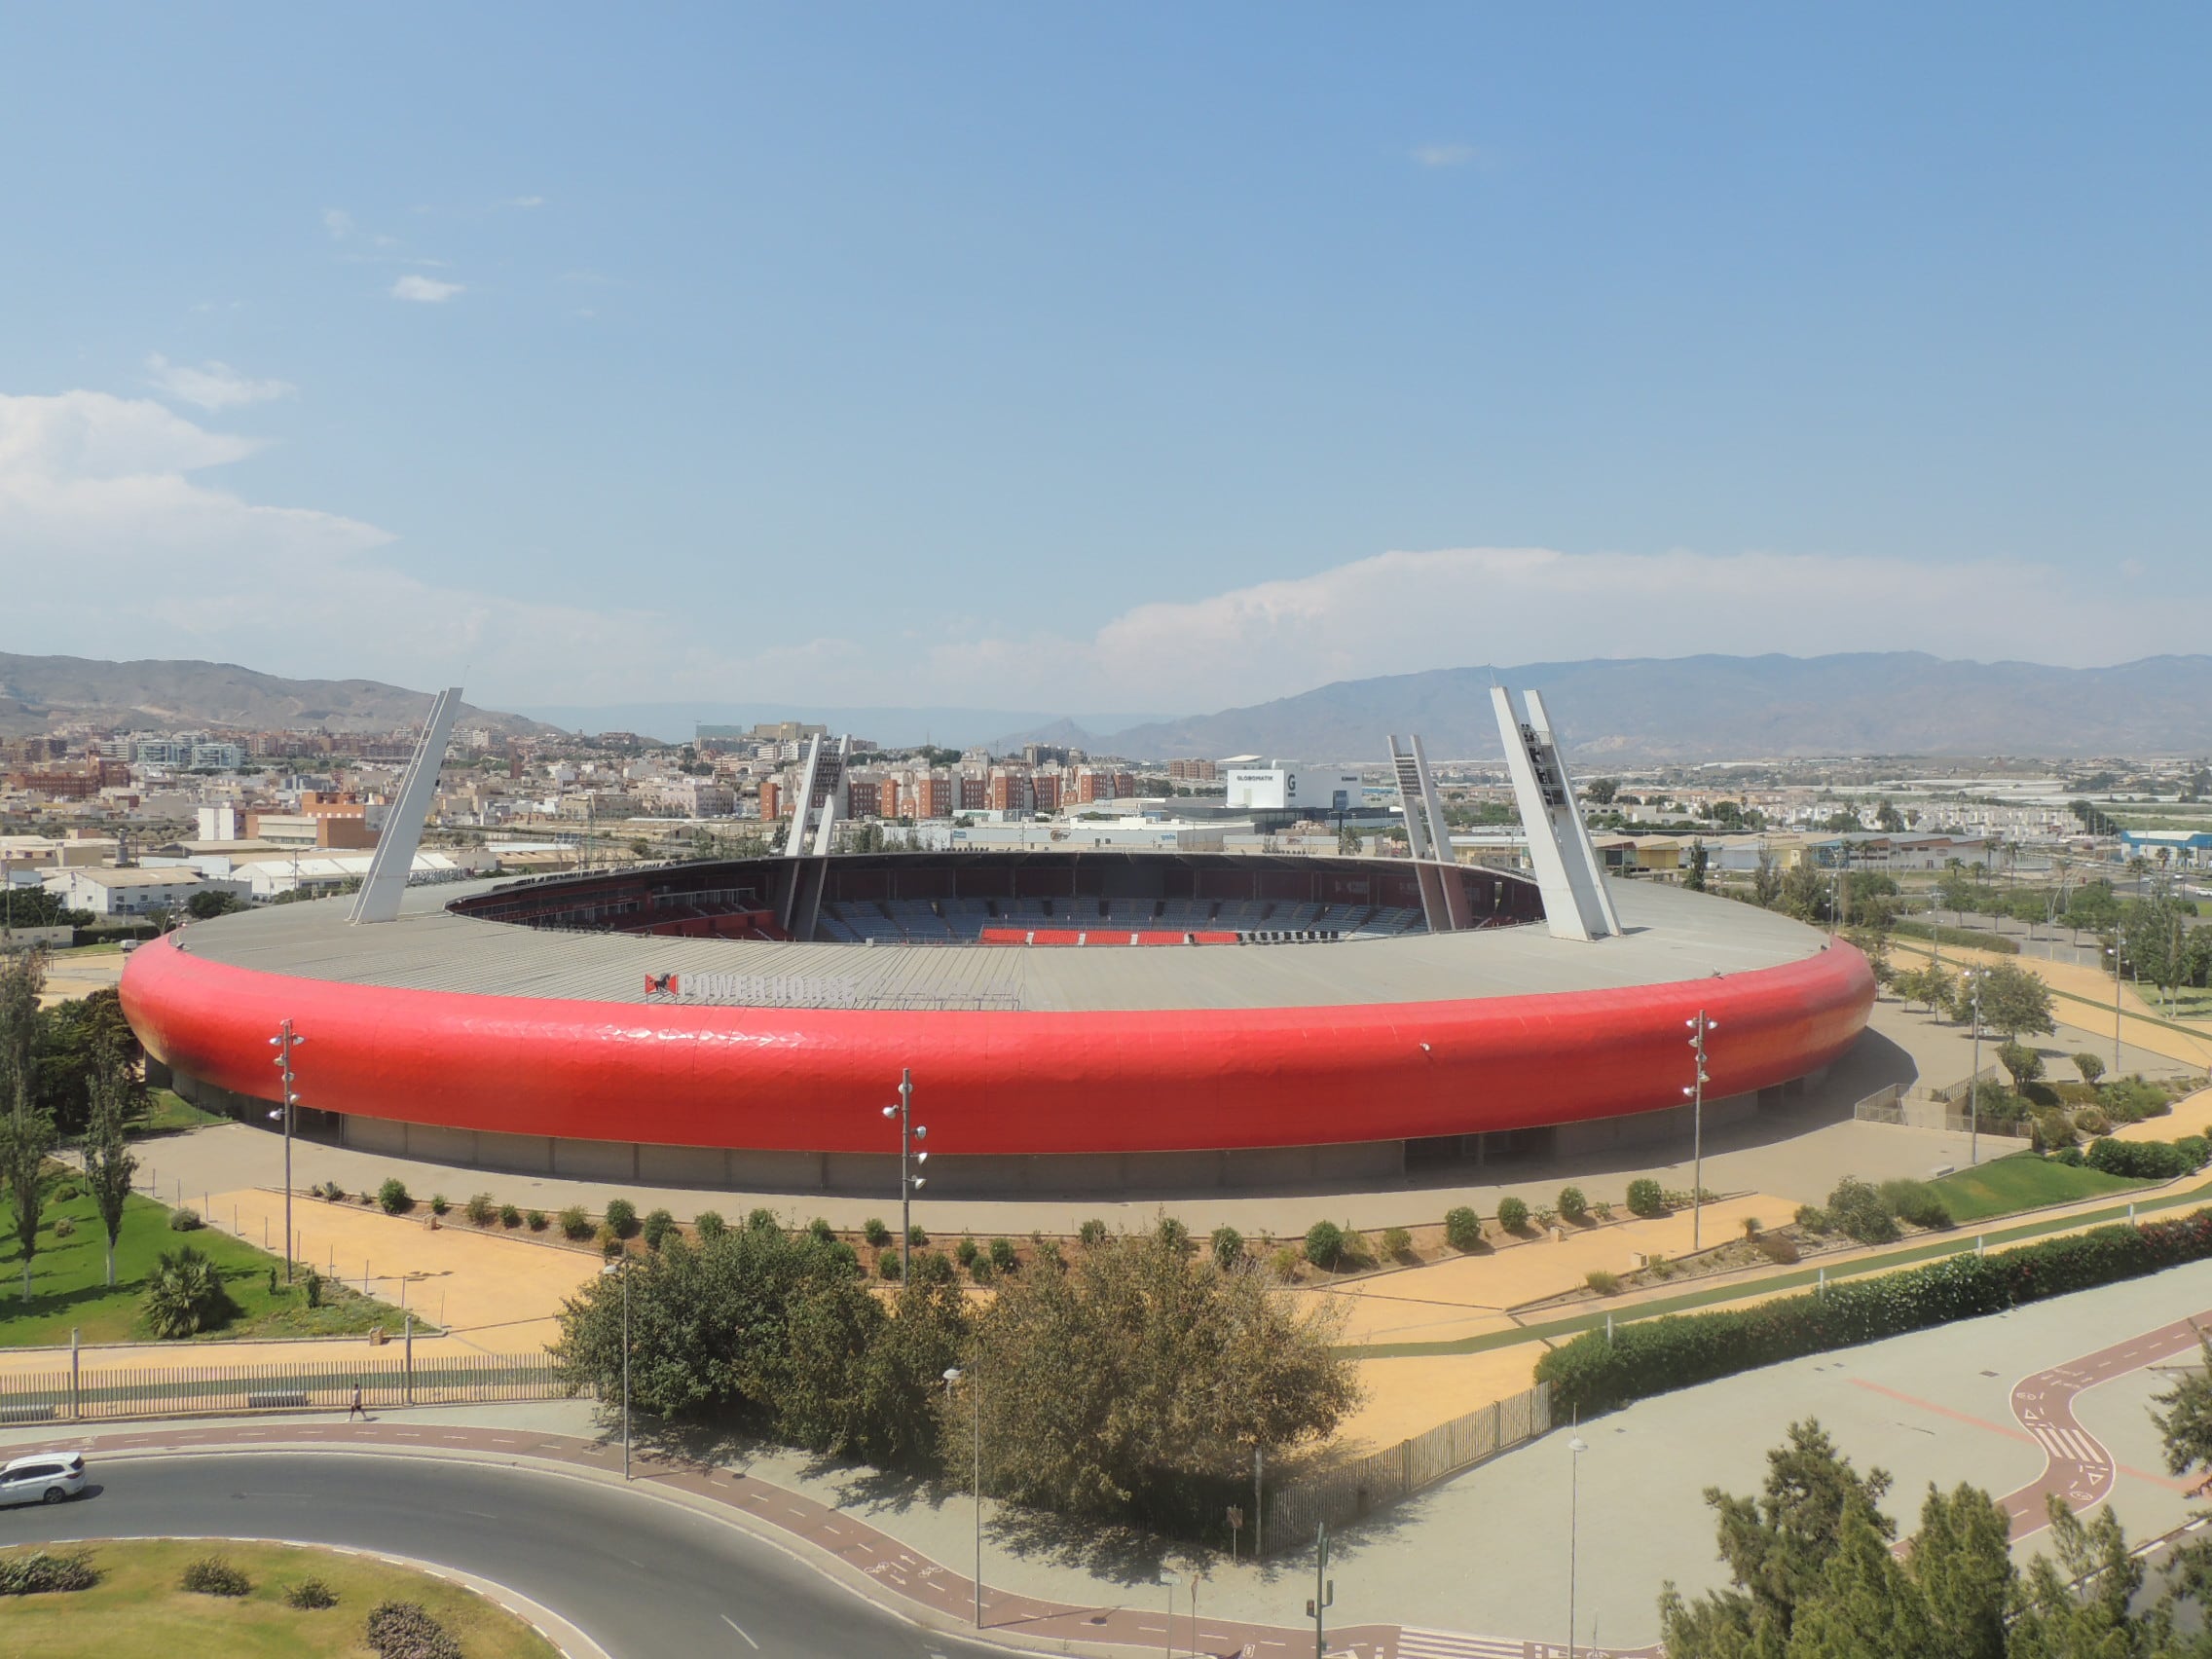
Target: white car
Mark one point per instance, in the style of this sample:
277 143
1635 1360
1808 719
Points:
46 1477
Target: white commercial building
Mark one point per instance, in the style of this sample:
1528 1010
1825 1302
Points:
127 892
1288 787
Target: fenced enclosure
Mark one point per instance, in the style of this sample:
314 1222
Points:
97 1392
1294 1514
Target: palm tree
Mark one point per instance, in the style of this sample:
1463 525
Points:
185 1294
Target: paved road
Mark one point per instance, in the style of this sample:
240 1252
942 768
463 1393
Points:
645 1579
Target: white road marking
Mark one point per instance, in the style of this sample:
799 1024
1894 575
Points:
740 1629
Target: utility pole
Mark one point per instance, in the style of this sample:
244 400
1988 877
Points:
1324 1593
909 1184
1699 1027
284 1042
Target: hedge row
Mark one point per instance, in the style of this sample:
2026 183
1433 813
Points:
1654 1356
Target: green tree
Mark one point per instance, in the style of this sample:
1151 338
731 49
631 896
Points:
67 1044
1886 818
2015 1002
2090 1066
1766 882
2081 1605
1804 892
1864 1603
1600 791
2022 1062
204 906
27 1129
1693 872
108 1163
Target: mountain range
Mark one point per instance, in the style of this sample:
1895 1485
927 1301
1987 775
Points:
1718 708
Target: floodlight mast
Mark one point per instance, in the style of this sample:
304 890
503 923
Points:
1701 1025
284 1042
909 1183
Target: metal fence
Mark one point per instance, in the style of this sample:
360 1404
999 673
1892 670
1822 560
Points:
94 1392
1933 1109
1295 1512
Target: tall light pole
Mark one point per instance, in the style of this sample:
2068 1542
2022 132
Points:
1324 1593
619 1270
952 1375
1699 1028
909 1184
1168 1581
1973 1078
1576 1447
2112 951
284 1042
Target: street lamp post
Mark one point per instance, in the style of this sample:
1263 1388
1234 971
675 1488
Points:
909 1184
1973 1078
619 1271
976 1434
1699 1027
2112 951
1168 1582
1575 1446
1324 1593
284 1042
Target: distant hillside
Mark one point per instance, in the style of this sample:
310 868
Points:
38 694
1712 708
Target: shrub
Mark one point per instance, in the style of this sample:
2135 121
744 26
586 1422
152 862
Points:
872 1230
2070 1155
1813 1218
1325 1244
965 1252
1512 1215
439 1204
658 1224
622 1217
214 1575
819 1230
1462 1228
981 1271
2142 1161
609 1240
310 1593
1003 1255
1858 1211
1644 1198
2092 1121
1572 1206
1752 1226
314 1284
404 1630
480 1209
535 1219
510 1215
1917 1202
763 1220
45 1571
182 1220
1174 1235
185 1296
1776 1248
917 1236
575 1224
2196 1148
1653 1356
1604 1282
2130 1100
1602 1211
64 1227
887 1267
1658 1266
708 1224
392 1197
1283 1263
2091 1067
1093 1233
1397 1243
1228 1247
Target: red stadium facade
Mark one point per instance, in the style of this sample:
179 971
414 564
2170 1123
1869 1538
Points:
1259 1087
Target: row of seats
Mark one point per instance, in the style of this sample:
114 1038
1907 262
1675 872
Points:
963 920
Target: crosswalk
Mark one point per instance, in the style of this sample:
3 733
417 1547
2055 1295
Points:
1452 1644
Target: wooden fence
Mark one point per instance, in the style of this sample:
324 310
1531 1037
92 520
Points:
88 1393
1295 1513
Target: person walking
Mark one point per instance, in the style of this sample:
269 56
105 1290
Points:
355 1409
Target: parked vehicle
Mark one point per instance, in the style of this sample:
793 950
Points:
44 1477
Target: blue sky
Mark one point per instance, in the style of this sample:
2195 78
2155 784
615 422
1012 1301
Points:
1134 357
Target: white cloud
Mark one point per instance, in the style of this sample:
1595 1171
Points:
214 384
338 222
427 290
526 202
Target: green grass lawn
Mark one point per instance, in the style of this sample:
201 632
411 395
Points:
168 1112
69 1280
2023 1181
136 1612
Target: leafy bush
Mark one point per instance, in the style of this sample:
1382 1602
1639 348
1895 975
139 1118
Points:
405 1630
1572 1206
981 1271
1228 1247
45 1571
2092 1121
1602 1211
1462 1228
1752 1226
1858 1211
2091 1067
887 1267
2070 1155
916 1236
392 1197
1776 1248
309 1594
64 1227
1512 1215
2131 1099
1813 1218
658 1224
184 1296
1917 1202
1325 1244
610 1241
480 1209
872 1230
709 1225
575 1224
182 1220
1653 1356
965 1252
1644 1198
763 1220
2196 1148
1397 1243
510 1215
2142 1161
1283 1263
214 1575
820 1229
1093 1233
314 1284
1003 1255
535 1219
622 1217
1604 1282
1658 1266
439 1204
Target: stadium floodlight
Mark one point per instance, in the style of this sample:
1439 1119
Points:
1700 1026
284 1043
909 1183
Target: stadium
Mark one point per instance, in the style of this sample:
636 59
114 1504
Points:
1072 1020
